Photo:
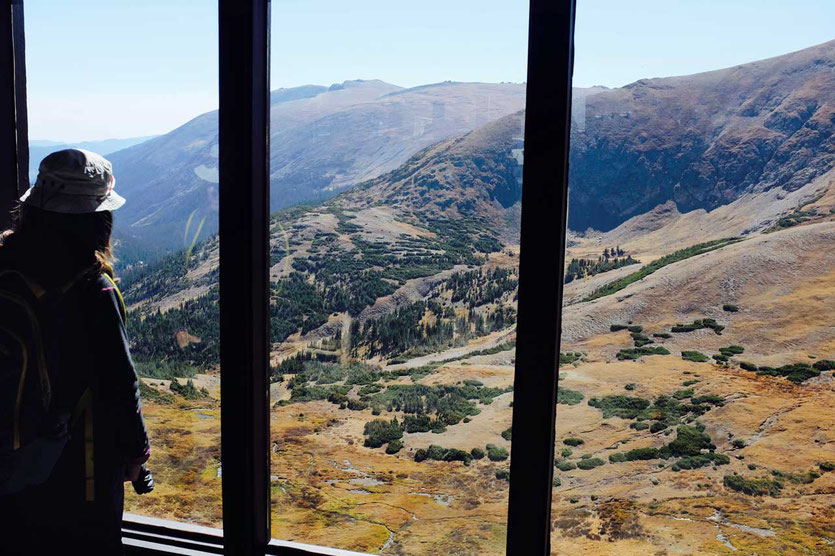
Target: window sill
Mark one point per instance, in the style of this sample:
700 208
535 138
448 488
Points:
144 535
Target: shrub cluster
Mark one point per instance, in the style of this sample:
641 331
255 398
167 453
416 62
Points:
590 463
625 407
796 372
437 453
701 460
695 356
573 441
380 431
633 354
753 487
496 453
698 325
568 397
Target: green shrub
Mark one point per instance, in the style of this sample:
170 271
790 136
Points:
690 382
657 426
573 441
730 308
639 426
720 358
496 453
567 358
566 452
617 327
753 487
662 335
698 325
454 454
188 390
641 340
738 443
682 394
702 460
641 454
625 407
436 452
796 372
381 432
152 394
421 455
617 458
695 356
557 482
394 446
824 365
712 399
633 354
590 463
356 405
477 453
568 397
503 474
631 386
417 423
748 366
690 441
827 466
507 434
635 328
563 465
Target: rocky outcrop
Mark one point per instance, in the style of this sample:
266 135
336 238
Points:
701 141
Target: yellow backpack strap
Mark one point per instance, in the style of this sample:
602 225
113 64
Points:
118 295
85 405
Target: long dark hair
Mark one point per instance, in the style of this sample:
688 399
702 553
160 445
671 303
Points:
56 247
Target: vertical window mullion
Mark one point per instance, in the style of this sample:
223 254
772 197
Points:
244 278
14 140
541 269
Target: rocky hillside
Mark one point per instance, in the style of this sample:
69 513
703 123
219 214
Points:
382 246
323 139
703 140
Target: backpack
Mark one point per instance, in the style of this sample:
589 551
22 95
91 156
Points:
32 433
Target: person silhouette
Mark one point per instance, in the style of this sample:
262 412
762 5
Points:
90 433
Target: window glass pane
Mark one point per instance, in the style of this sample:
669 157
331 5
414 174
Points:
696 375
137 83
396 164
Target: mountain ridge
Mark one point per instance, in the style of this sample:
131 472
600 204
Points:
705 139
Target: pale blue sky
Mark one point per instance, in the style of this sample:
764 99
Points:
117 68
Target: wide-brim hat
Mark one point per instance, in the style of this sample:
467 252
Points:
74 181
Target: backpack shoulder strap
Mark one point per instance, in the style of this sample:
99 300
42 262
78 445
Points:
118 292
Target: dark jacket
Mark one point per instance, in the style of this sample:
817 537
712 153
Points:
87 346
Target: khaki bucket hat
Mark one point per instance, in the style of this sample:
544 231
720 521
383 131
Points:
74 181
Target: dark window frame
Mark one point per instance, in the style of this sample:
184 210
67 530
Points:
244 33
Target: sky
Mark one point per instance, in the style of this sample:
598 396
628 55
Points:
100 69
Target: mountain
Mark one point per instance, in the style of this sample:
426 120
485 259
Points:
323 139
39 148
703 140
695 383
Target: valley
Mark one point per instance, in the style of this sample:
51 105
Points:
696 382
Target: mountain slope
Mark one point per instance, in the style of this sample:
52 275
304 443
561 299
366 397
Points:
703 140
322 139
39 149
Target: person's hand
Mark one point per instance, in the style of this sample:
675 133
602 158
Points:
132 472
